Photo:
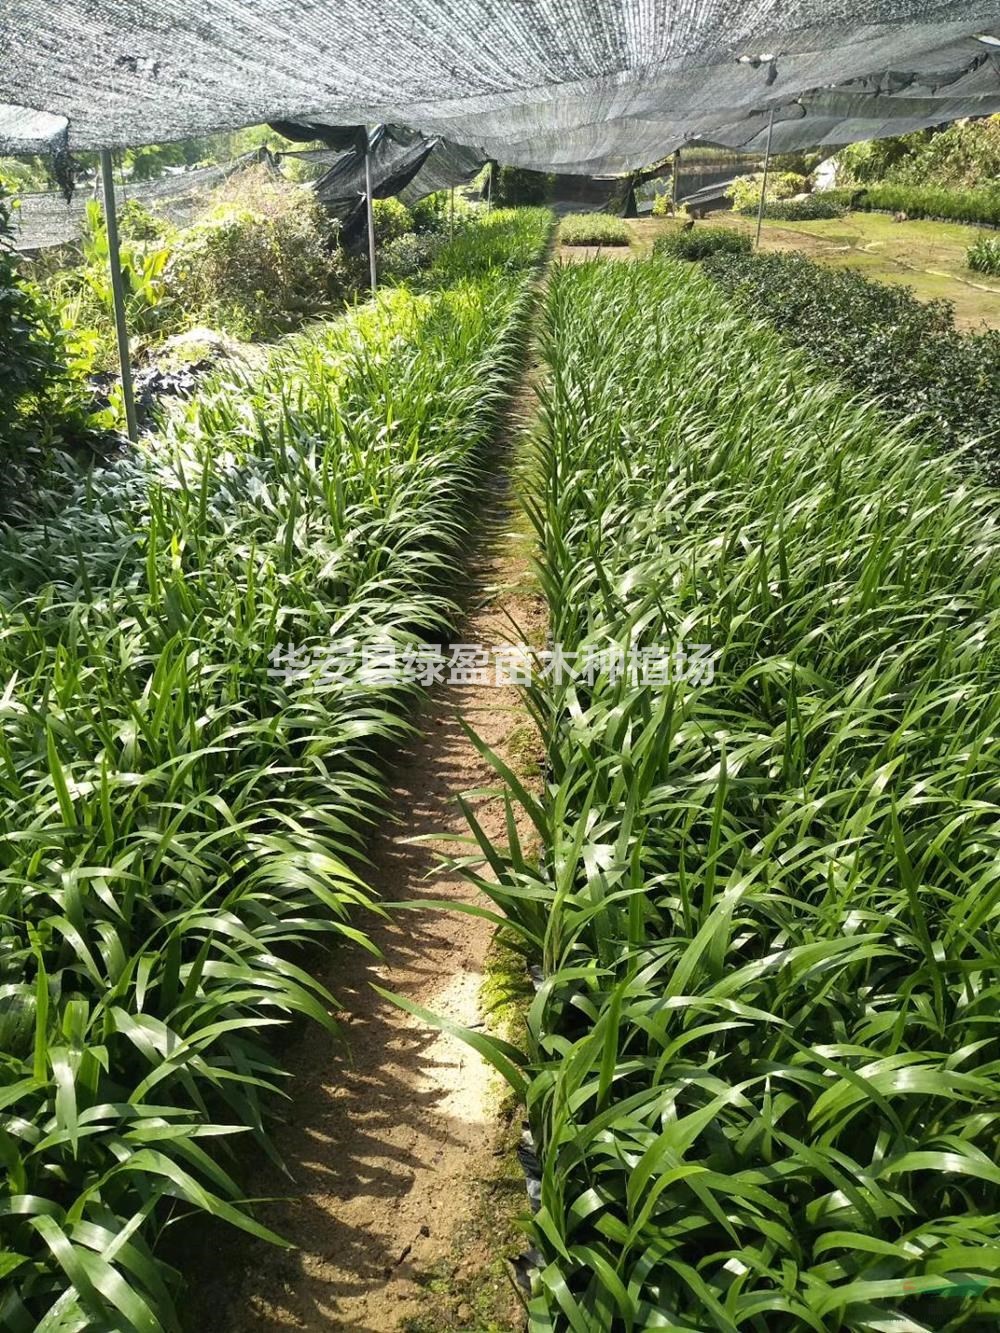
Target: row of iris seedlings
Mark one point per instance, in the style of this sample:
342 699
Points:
763 1061
185 785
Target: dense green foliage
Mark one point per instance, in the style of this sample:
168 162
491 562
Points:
984 256
259 261
82 293
782 202
813 208
22 175
663 205
409 254
931 201
745 191
699 242
39 404
390 219
764 1064
882 341
29 354
593 229
517 187
962 155
179 821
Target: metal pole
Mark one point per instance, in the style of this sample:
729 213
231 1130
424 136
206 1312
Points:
763 188
118 293
489 189
673 181
371 213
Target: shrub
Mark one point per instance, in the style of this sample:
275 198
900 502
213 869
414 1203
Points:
408 254
957 157
82 293
786 184
391 219
136 222
517 187
260 261
256 263
593 229
848 198
431 212
745 191
700 242
984 256
881 339
40 405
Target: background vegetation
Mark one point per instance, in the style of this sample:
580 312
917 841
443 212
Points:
965 155
42 405
593 229
882 341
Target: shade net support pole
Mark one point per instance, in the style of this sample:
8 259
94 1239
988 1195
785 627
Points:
118 293
673 179
763 188
371 213
489 188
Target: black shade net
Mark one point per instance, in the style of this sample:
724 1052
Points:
602 88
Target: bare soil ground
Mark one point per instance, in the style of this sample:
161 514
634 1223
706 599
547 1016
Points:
402 1196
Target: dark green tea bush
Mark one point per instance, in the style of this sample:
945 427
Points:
881 340
700 242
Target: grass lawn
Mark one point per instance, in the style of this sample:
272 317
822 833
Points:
927 256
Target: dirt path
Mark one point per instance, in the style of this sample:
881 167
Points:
392 1144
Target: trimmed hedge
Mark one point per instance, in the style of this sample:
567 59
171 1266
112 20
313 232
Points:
880 339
